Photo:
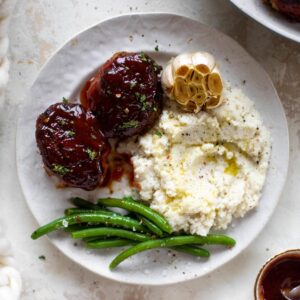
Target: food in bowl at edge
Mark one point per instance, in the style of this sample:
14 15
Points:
279 278
289 8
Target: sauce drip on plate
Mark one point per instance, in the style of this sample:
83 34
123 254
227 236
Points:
119 165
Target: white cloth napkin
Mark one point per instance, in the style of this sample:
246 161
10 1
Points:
10 279
6 7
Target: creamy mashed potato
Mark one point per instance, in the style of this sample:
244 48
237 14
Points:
201 170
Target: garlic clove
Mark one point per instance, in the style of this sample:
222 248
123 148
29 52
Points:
192 107
192 89
181 64
203 62
198 77
193 80
213 102
181 90
167 78
200 98
214 82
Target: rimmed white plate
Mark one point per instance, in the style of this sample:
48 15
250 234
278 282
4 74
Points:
270 18
63 75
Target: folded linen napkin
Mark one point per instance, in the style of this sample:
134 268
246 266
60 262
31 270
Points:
10 279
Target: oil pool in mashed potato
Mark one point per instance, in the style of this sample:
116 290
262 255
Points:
201 170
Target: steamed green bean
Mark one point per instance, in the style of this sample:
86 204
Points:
134 206
64 222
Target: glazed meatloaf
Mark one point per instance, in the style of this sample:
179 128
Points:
72 145
290 8
125 95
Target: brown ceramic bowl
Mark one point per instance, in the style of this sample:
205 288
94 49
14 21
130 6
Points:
289 255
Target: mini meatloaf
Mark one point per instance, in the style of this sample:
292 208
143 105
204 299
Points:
290 8
72 145
125 95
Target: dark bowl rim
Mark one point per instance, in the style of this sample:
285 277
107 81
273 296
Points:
267 263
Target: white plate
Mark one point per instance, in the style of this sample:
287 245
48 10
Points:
63 75
270 18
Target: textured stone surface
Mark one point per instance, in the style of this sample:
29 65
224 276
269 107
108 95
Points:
38 28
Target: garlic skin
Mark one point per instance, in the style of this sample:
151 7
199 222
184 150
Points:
194 81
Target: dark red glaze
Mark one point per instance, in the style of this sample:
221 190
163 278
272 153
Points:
280 274
125 95
290 8
72 145
119 165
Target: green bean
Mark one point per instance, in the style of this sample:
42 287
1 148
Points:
129 198
193 250
75 227
95 243
106 231
171 242
74 210
93 238
63 222
81 203
151 226
139 208
108 243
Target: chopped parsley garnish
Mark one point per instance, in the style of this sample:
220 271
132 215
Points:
143 56
158 133
59 169
146 105
142 98
129 124
42 257
70 133
65 100
62 122
132 84
156 48
92 154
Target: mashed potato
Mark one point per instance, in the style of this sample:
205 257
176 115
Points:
201 170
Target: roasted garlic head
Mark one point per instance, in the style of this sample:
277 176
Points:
193 80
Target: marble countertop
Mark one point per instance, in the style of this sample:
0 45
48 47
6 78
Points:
38 28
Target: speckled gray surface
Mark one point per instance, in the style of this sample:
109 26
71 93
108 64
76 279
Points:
38 28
